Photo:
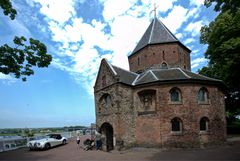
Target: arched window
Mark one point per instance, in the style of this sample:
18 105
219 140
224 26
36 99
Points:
106 100
176 125
202 95
204 123
175 95
164 65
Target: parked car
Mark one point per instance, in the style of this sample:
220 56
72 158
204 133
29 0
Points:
49 141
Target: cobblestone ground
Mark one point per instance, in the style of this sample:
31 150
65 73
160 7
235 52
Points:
70 152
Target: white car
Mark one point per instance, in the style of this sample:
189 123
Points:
49 141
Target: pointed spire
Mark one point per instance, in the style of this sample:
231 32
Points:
156 33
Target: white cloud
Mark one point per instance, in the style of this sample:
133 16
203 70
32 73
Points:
125 37
114 8
195 51
179 35
56 62
195 27
194 12
188 41
162 5
78 40
175 18
197 2
7 79
4 76
196 62
59 11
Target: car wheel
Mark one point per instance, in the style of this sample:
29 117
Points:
31 149
64 142
47 146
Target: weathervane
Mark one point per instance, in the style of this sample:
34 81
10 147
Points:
154 10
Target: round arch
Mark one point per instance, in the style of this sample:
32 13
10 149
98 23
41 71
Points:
106 130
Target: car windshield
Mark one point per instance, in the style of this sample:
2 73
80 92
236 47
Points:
38 137
53 136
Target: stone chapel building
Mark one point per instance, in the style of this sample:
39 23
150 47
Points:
159 102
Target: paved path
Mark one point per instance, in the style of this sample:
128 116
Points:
70 152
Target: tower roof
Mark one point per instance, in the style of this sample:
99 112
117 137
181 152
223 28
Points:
156 33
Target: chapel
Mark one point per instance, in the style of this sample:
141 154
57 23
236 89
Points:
159 102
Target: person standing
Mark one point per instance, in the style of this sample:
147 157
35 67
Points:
98 141
78 141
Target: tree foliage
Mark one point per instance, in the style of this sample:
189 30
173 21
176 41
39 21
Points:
223 39
224 5
6 5
20 60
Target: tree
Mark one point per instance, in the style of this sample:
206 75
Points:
223 39
224 5
6 5
20 60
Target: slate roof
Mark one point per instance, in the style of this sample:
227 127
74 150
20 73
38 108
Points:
159 76
125 76
156 33
171 74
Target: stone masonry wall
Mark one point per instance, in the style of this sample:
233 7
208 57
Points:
120 114
135 123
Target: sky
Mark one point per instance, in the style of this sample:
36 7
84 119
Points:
78 35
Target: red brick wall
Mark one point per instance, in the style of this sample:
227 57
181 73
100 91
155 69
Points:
189 111
148 130
153 56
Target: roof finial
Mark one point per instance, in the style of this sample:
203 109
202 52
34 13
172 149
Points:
155 10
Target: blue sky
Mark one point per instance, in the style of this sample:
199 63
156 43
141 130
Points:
78 34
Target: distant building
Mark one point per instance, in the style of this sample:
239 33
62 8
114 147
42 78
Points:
159 102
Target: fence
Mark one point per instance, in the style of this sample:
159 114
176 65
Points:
12 143
15 142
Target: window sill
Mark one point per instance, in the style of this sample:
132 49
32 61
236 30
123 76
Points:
176 133
204 132
175 103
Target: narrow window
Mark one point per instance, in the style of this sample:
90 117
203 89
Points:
176 125
175 95
204 122
202 95
138 61
107 100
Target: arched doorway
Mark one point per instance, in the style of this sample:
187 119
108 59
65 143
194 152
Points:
107 132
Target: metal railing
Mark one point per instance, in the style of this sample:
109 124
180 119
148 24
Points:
12 143
15 142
